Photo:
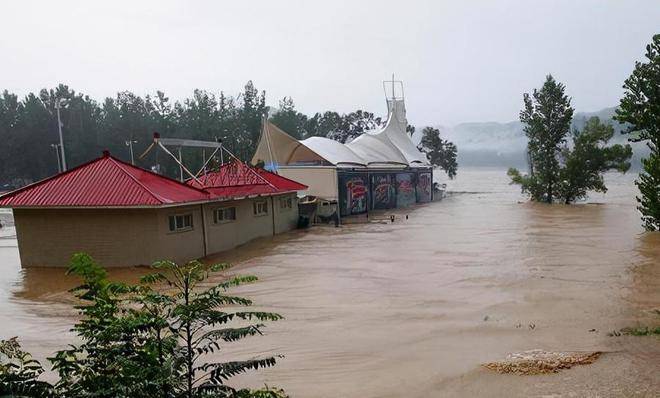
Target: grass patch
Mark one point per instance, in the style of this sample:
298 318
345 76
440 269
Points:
638 331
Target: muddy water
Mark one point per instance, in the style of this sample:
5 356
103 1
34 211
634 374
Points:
412 308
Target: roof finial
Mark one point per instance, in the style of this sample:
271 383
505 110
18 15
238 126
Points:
106 153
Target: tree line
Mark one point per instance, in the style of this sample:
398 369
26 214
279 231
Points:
29 130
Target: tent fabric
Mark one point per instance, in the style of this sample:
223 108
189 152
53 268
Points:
377 149
333 151
275 146
395 130
390 146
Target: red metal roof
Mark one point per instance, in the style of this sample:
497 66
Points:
236 179
104 182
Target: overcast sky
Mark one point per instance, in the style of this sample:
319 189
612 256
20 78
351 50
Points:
459 60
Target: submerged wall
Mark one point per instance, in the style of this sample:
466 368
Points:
360 190
129 237
114 237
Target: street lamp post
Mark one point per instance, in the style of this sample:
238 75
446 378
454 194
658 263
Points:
58 104
129 144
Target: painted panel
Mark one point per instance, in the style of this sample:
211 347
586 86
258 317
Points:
353 193
383 191
405 189
424 187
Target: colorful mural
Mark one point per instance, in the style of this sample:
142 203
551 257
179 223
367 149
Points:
424 187
405 189
352 193
383 190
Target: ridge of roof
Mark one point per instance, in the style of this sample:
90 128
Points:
118 162
131 172
135 180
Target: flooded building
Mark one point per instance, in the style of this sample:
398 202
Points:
380 169
123 215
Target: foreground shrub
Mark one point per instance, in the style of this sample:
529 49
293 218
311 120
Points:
153 339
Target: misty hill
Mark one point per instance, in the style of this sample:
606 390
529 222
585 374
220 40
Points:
503 144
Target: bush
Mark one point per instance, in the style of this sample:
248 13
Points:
151 339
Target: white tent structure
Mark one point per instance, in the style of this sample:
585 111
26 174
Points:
320 162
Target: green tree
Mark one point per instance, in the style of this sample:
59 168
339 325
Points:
114 358
323 124
290 120
590 157
192 316
582 163
640 108
439 152
547 115
19 373
154 339
354 124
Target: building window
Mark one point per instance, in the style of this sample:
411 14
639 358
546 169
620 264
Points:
181 222
286 203
224 215
260 207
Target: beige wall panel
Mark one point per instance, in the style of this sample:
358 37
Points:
322 182
246 227
286 219
180 246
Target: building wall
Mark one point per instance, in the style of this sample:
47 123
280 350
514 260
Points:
181 246
382 189
114 237
322 181
247 226
129 237
286 219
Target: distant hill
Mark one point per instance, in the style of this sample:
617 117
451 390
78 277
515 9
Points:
503 144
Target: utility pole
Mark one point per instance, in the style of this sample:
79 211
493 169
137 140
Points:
129 144
58 105
56 147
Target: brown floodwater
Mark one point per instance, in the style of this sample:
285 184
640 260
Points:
413 308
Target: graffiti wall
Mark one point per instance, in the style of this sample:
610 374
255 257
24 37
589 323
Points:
405 189
383 191
353 195
424 187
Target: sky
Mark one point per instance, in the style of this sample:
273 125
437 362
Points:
460 61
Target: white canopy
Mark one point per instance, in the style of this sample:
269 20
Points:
333 151
390 146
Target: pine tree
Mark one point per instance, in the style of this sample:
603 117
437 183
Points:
640 108
547 115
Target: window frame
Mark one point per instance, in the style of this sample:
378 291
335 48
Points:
255 205
172 220
286 203
217 210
